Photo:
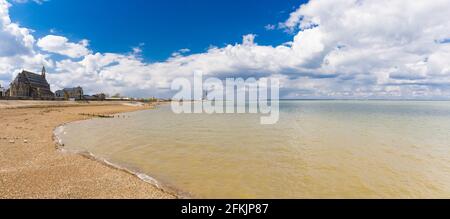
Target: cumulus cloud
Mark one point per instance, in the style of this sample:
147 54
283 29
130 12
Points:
342 49
61 45
16 47
368 44
14 40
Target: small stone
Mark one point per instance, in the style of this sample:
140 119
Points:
25 141
11 141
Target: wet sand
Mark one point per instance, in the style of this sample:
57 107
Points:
32 167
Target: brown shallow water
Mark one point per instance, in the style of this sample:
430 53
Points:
319 149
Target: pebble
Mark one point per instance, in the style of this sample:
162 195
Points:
11 141
25 141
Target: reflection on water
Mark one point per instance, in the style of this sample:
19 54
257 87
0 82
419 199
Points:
319 149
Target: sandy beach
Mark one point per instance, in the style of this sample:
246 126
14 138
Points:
32 167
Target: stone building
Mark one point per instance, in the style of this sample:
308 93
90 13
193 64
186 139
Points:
75 93
31 85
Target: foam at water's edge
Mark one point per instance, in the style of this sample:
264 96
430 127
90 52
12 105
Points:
142 176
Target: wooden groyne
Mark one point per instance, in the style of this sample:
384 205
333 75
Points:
97 115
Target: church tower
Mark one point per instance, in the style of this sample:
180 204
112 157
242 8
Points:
43 72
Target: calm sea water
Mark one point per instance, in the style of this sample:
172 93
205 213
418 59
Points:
319 149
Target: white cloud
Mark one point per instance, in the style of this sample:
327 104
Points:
185 50
180 52
137 50
16 47
249 40
270 27
61 45
14 40
342 48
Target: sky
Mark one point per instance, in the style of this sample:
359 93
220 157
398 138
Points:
162 26
355 49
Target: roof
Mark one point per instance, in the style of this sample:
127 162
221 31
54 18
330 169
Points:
35 80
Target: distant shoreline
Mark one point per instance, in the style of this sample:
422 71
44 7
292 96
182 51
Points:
31 167
16 104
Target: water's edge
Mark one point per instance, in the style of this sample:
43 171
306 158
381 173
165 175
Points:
59 144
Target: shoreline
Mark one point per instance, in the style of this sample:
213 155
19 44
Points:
32 166
178 194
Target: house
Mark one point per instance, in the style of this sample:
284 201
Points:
31 85
75 93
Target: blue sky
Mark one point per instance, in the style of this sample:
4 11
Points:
342 49
163 26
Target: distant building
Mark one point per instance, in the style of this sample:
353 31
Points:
2 91
89 98
96 97
70 93
32 85
100 96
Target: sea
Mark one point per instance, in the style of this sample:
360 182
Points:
318 149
